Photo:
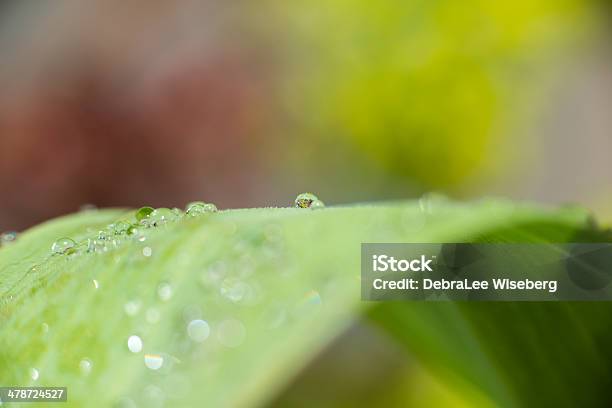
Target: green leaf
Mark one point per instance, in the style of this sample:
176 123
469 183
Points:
274 285
517 353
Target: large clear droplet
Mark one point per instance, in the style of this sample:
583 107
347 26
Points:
143 213
198 208
305 200
63 246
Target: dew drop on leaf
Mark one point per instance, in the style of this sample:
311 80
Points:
198 330
164 291
85 365
233 289
143 213
134 344
305 200
132 307
317 205
132 230
120 227
161 216
8 237
63 246
177 213
198 208
104 235
153 361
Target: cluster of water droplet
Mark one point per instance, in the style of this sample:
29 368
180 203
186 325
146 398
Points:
229 279
113 235
144 218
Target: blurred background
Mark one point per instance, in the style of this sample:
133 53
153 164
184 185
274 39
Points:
115 103
249 103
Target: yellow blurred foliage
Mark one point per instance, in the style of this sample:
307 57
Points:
428 91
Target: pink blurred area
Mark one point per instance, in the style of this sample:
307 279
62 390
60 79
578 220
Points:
126 106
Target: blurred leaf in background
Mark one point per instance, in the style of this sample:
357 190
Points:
420 95
246 103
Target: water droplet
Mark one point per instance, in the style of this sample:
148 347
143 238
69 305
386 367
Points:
34 374
178 213
96 284
85 365
137 233
132 230
63 246
317 205
161 216
45 328
134 344
152 316
198 208
153 361
96 245
104 235
147 251
234 289
210 207
305 200
231 333
143 213
164 291
8 237
132 307
198 330
120 227
116 242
